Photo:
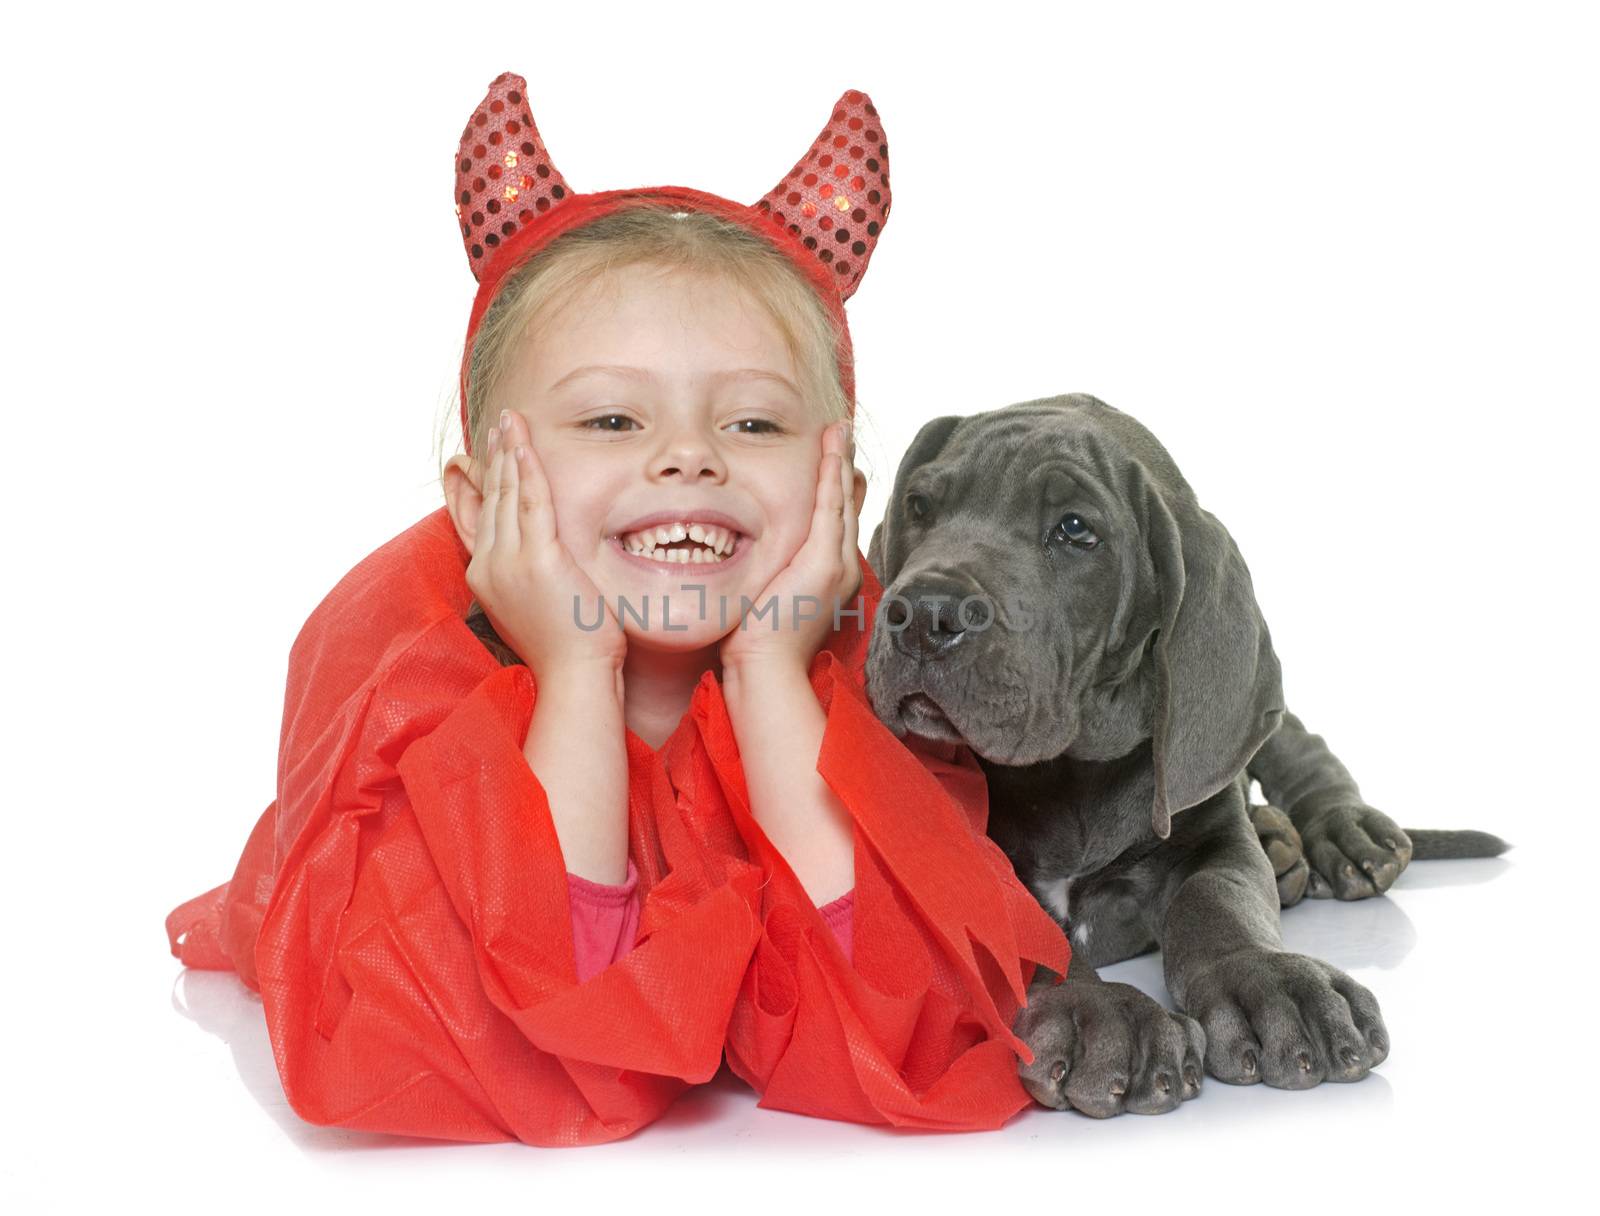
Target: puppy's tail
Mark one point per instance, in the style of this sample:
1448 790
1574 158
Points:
1429 844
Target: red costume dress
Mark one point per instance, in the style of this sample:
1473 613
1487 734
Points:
404 910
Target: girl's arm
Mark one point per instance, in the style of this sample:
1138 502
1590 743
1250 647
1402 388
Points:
779 726
605 916
577 744
577 716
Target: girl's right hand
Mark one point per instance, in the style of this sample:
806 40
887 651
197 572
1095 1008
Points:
524 577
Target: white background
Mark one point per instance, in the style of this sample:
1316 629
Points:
1342 259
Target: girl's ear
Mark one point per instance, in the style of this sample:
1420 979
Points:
463 497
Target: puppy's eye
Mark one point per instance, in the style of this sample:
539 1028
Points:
918 505
1076 532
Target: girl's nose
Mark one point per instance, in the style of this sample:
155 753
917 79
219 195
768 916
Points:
690 454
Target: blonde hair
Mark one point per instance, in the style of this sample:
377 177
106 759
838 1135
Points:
659 235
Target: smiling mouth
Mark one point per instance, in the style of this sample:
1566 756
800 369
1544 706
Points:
669 559
676 544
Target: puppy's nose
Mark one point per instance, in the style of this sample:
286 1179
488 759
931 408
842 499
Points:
923 619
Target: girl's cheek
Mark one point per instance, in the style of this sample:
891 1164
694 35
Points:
790 540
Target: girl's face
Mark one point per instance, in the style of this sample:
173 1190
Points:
661 396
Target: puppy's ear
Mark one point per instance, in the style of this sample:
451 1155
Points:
886 551
1219 690
875 553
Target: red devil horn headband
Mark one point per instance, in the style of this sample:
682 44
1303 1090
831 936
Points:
826 214
835 200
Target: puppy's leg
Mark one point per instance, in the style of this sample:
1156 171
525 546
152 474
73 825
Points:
1287 1019
1283 848
1105 1049
1355 851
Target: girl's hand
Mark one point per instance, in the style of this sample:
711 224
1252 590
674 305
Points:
525 579
826 567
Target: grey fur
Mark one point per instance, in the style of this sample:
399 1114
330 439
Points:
1120 701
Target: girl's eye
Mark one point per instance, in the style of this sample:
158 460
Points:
604 419
1075 532
620 423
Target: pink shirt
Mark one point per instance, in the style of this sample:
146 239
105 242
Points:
605 920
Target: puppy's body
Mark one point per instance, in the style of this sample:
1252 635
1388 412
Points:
1120 699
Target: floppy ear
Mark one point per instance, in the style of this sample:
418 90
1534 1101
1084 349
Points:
883 552
875 553
1219 691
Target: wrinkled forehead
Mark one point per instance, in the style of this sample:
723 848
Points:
1015 456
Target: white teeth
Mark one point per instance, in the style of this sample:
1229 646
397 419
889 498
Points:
718 540
678 556
715 542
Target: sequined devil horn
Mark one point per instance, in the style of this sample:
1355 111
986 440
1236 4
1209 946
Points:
836 198
504 176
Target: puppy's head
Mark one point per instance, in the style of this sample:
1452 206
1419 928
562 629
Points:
1051 587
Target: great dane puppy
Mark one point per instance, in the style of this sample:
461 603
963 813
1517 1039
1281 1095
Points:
1056 599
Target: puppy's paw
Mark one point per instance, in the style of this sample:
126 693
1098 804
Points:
1286 1019
1355 851
1105 1049
1284 850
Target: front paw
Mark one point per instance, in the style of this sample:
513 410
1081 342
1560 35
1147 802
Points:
1284 850
1108 1048
1287 1019
1355 851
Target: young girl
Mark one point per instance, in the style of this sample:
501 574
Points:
579 790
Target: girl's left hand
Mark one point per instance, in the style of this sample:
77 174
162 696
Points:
826 567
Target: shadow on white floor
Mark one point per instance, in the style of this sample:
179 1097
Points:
1356 936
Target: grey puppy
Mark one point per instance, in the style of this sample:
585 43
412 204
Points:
1056 598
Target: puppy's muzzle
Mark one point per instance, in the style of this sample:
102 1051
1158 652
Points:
925 619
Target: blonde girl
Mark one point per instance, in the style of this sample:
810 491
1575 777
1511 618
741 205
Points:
580 793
